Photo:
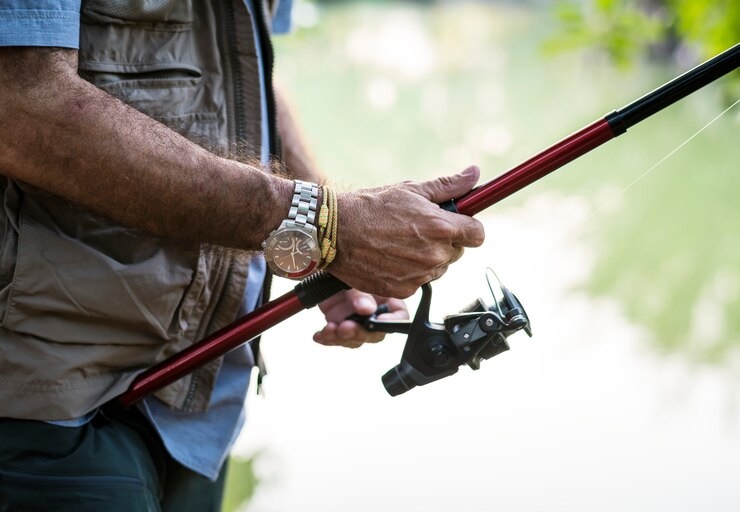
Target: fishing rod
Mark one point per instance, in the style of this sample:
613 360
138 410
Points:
434 351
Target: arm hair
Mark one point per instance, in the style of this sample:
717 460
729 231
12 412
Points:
66 137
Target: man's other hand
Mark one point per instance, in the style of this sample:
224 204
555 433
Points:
346 333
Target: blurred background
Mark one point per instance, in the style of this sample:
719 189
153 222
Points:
626 398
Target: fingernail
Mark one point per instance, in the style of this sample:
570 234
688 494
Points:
469 171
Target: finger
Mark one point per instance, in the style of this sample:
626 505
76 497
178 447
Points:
350 344
346 303
394 315
467 232
346 334
363 303
333 340
396 307
350 331
326 335
450 187
341 343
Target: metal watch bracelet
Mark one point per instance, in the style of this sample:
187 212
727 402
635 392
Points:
304 204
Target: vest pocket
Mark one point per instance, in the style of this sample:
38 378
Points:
172 12
86 280
79 278
171 93
11 200
156 89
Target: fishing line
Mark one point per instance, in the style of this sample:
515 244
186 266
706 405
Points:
619 194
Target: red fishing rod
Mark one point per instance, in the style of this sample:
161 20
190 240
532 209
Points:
482 329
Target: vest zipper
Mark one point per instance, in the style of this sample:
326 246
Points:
231 37
268 59
268 62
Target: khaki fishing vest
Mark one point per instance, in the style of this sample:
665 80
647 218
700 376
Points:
87 304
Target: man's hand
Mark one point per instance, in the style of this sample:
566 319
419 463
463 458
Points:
347 333
393 239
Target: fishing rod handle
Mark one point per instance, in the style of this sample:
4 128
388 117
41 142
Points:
307 294
317 288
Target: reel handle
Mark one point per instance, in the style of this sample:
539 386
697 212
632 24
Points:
372 324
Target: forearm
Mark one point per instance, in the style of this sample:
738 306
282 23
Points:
66 137
296 155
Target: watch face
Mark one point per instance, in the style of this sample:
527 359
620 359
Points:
292 253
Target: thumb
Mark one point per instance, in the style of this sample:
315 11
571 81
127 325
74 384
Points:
450 187
363 303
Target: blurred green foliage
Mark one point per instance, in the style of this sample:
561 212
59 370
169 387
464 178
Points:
619 29
711 25
241 482
626 29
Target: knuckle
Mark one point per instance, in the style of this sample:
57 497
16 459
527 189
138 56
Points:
446 181
408 183
442 227
440 256
434 257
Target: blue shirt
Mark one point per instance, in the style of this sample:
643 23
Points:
199 441
40 23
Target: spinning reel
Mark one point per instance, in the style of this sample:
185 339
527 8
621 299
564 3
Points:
434 351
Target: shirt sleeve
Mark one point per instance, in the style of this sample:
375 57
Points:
40 23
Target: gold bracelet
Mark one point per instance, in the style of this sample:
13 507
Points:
328 221
323 213
332 252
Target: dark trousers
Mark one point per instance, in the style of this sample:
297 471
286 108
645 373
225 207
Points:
114 463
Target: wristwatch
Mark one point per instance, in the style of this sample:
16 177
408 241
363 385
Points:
292 250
